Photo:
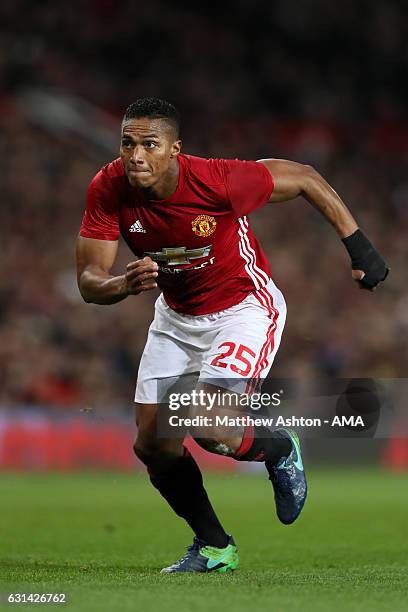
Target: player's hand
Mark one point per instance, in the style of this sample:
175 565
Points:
368 267
141 275
357 276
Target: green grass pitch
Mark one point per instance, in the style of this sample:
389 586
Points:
102 538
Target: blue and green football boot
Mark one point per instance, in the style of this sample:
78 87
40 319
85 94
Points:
289 481
203 558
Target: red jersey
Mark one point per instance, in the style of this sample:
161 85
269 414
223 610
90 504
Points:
200 236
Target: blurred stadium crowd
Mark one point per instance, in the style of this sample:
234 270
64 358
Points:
318 82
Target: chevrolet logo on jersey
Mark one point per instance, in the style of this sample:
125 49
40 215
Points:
178 255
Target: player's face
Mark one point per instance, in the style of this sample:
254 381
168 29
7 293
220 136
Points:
148 149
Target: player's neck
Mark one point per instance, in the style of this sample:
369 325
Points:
166 185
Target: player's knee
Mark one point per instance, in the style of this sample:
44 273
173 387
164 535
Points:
146 452
210 437
215 444
156 452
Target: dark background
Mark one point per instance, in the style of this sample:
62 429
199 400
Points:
321 83
318 81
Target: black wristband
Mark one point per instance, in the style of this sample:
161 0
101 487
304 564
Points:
359 248
365 257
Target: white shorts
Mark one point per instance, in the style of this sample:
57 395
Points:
235 346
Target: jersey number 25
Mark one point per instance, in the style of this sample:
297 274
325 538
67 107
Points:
239 356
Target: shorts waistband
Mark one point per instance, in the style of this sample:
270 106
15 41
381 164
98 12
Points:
213 316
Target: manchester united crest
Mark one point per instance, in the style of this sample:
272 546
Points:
204 225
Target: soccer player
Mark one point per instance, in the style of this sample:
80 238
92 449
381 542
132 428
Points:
185 219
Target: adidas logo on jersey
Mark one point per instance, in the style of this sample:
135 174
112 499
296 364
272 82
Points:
137 227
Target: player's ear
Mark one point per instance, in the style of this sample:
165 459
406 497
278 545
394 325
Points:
175 148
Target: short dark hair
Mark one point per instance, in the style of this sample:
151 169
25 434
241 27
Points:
155 108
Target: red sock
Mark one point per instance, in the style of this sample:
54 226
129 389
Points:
261 444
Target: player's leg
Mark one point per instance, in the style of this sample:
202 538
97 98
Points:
175 474
248 339
278 449
169 354
233 440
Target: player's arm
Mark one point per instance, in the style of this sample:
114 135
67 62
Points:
95 259
292 179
